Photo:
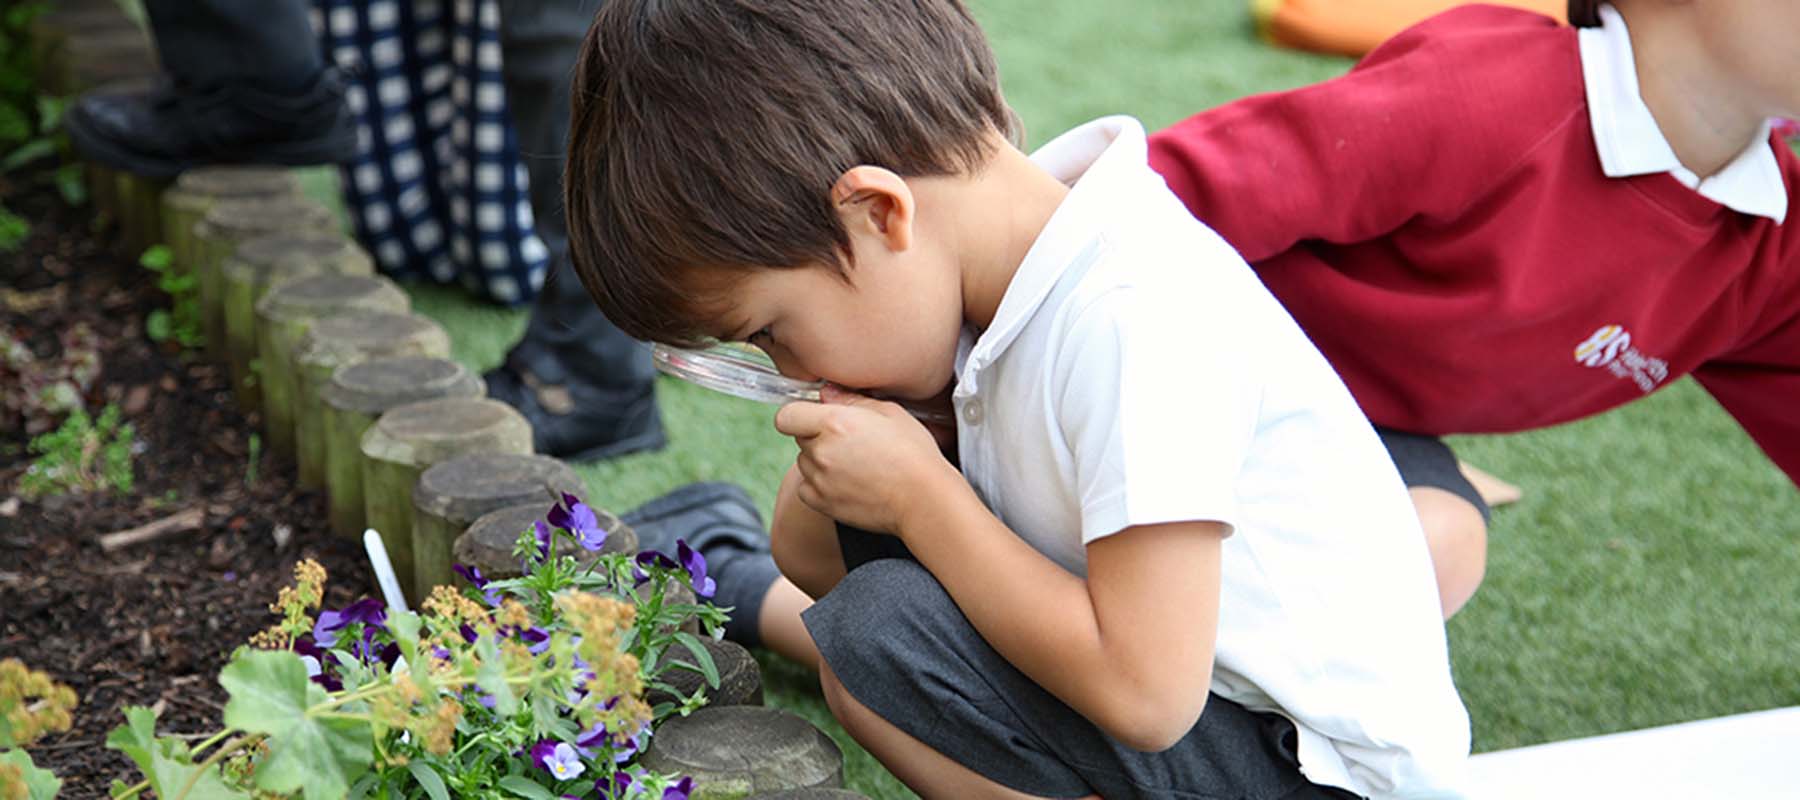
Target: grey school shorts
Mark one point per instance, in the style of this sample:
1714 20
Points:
902 648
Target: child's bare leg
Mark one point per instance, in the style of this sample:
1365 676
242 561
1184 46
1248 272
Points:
779 623
1457 537
924 770
804 543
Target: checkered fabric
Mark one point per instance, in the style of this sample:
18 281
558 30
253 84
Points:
437 191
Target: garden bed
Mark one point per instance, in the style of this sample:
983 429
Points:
149 623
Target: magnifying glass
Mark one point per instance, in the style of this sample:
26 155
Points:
747 372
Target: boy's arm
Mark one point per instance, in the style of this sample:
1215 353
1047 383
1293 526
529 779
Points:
1420 129
1759 386
1130 647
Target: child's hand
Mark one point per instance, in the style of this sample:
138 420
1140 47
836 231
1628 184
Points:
862 461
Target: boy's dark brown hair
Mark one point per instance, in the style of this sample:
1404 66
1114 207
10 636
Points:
708 133
1585 13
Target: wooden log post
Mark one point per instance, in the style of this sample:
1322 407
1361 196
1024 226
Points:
406 440
51 30
487 545
90 58
340 340
452 494
269 261
103 188
283 315
230 223
139 200
740 679
355 397
733 752
185 203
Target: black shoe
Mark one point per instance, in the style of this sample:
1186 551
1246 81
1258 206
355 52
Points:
163 131
720 522
578 422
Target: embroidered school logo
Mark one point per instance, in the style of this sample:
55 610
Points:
1610 348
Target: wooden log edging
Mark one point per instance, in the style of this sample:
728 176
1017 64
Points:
406 440
185 203
488 543
283 315
740 678
267 261
339 340
733 752
139 202
452 494
359 393
229 223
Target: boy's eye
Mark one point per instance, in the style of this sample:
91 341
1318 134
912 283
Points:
761 334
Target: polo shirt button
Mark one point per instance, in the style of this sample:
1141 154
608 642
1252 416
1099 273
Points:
972 412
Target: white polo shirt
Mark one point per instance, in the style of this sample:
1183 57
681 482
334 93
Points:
1137 372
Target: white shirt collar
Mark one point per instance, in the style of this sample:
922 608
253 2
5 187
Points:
1089 159
1630 143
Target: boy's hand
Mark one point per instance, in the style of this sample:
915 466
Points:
862 461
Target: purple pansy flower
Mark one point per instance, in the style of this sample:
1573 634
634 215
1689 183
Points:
314 659
541 532
680 790
369 611
536 639
578 519
473 575
560 760
695 564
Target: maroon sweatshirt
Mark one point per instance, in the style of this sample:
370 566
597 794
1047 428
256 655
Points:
1438 222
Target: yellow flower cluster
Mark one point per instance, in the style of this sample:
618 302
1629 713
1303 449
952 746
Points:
600 621
31 704
12 783
292 604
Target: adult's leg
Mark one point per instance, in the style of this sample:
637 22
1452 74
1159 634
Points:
587 388
246 83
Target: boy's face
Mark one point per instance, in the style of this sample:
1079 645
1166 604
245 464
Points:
889 326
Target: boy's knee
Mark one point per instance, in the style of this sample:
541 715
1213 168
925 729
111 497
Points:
1456 534
879 616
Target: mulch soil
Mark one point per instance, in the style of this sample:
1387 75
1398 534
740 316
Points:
150 624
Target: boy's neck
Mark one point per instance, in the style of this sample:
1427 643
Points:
997 216
1697 102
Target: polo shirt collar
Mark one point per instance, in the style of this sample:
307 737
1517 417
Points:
1630 143
1092 160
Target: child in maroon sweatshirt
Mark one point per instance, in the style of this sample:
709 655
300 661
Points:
1496 223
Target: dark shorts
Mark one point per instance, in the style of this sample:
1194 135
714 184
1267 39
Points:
1427 461
902 648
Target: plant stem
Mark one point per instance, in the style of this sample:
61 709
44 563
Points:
217 756
212 740
134 790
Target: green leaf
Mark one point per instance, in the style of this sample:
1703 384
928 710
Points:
40 784
13 230
157 325
525 787
27 153
156 257
70 185
491 677
270 694
701 655
165 762
50 112
428 778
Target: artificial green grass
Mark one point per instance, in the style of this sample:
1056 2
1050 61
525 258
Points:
1648 577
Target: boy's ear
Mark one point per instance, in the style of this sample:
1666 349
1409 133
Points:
876 202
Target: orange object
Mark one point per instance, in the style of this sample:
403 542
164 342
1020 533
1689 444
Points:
1354 27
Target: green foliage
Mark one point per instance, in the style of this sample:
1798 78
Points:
81 456
23 779
31 123
319 754
180 322
13 230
